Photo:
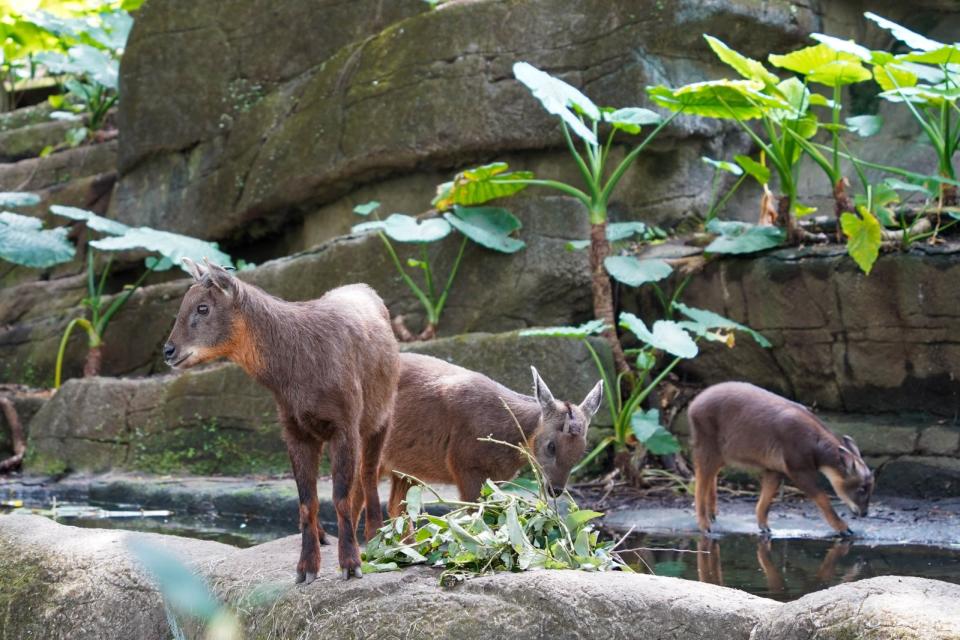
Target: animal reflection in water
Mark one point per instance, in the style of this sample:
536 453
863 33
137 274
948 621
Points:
710 567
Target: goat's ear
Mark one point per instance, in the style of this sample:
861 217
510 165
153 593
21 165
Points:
195 269
847 460
542 392
220 278
591 404
851 445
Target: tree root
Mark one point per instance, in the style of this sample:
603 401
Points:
403 334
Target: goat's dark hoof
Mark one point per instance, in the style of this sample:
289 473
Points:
323 541
346 574
306 577
765 532
847 533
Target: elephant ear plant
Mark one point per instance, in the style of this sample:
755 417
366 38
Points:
490 227
581 121
171 247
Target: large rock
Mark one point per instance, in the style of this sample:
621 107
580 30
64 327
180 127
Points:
62 582
219 420
541 285
842 340
400 101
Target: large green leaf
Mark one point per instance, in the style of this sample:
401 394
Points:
479 185
704 320
864 235
734 99
865 125
947 54
743 237
404 228
585 330
651 434
92 220
558 97
893 76
366 208
666 335
911 39
754 169
14 199
631 119
89 62
489 227
616 231
633 271
824 65
172 246
747 67
844 46
23 241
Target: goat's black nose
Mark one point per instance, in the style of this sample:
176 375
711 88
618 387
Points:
169 350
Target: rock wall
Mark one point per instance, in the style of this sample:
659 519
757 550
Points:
62 582
217 420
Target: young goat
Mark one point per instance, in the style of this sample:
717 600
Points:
332 365
738 423
441 411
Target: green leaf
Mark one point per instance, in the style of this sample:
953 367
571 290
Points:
92 220
631 119
76 136
723 165
801 210
705 320
900 185
489 227
414 500
479 185
743 237
911 39
890 77
947 54
823 64
650 433
23 241
558 97
182 589
583 331
732 99
864 235
616 231
576 519
15 199
635 272
844 46
747 67
866 125
172 246
757 171
366 209
666 335
514 531
404 228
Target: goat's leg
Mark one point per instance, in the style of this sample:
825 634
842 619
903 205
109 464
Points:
305 459
807 482
398 492
769 484
343 465
469 482
706 470
370 478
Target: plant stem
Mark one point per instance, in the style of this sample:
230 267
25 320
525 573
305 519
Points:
91 335
602 289
417 291
453 274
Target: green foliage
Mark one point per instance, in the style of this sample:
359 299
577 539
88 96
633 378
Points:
667 336
24 241
489 227
479 185
634 272
619 231
743 237
513 526
863 237
722 166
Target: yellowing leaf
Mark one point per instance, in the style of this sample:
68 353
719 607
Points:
863 237
747 67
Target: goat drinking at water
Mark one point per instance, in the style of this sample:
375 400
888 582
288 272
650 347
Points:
332 365
740 424
442 410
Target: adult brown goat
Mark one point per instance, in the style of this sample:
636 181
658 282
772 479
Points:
332 365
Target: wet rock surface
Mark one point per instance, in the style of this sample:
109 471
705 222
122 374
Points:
84 583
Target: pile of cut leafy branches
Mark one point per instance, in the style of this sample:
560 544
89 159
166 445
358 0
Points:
513 526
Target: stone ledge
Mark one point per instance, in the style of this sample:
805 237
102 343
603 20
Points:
83 583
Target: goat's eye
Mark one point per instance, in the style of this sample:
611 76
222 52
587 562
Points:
203 309
551 448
